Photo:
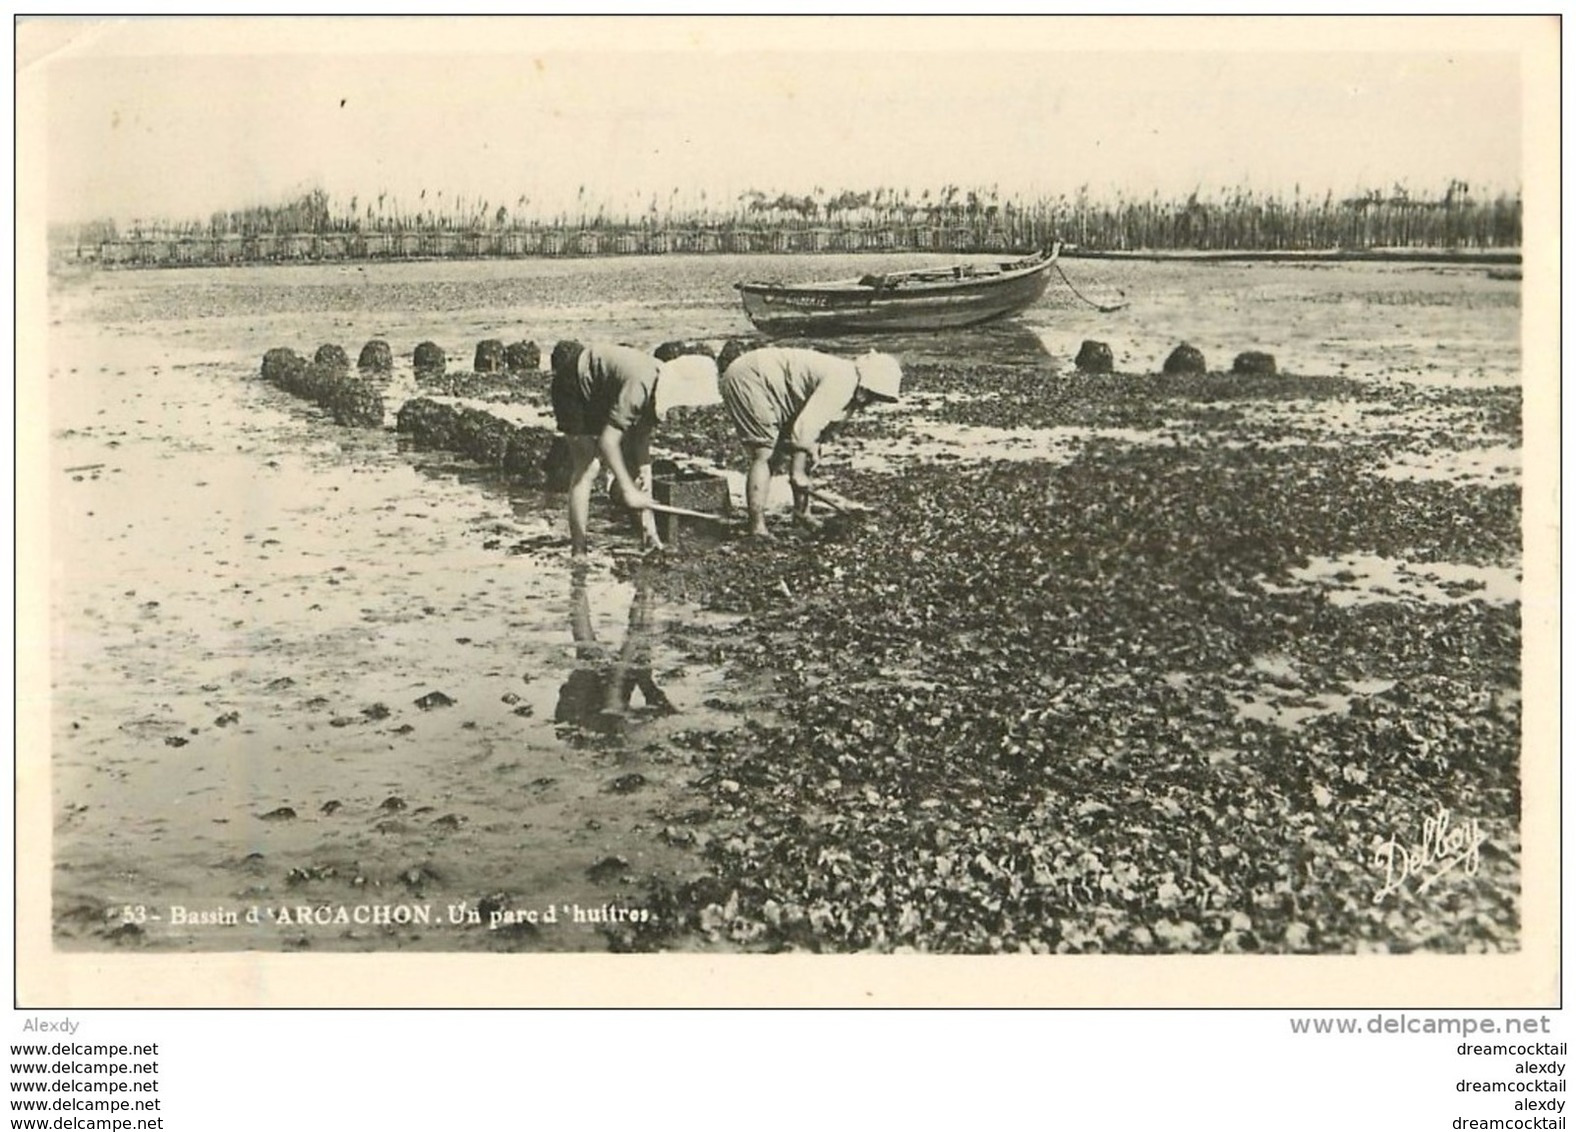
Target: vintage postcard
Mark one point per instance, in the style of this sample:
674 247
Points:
771 511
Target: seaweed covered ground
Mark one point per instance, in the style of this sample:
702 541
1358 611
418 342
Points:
1244 678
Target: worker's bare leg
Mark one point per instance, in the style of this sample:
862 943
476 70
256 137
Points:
583 465
757 486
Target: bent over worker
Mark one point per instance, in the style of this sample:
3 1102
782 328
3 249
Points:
607 399
784 398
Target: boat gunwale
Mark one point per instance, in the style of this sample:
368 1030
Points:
853 288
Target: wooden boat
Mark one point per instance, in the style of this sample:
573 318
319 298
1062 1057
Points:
927 298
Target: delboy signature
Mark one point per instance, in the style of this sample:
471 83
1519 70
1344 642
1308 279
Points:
1445 845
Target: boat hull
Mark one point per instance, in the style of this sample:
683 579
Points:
857 308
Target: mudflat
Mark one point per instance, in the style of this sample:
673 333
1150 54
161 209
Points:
1128 663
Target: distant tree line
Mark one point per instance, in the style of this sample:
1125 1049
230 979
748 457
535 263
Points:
1229 220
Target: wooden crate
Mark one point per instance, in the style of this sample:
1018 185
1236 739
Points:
695 491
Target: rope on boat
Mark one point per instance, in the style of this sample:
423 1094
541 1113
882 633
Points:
1103 309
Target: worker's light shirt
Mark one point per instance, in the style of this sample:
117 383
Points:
621 378
795 392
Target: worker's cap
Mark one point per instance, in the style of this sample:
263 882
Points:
690 379
566 357
880 374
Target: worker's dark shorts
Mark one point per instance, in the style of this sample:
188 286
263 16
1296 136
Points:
577 408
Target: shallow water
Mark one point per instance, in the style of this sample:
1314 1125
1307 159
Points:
1421 323
250 608
1418 322
250 605
1366 579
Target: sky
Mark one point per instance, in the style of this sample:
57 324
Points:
177 118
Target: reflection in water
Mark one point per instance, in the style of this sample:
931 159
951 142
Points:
1007 342
599 694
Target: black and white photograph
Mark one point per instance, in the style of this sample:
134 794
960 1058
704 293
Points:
667 496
